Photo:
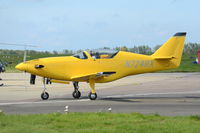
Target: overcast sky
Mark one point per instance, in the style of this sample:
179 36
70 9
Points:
82 24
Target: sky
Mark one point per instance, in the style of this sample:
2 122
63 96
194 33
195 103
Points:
90 24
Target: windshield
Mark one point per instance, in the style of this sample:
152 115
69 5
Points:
81 55
103 53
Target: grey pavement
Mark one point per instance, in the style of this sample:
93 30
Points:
163 93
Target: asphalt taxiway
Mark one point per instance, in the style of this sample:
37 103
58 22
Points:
162 93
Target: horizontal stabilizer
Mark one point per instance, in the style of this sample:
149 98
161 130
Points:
164 58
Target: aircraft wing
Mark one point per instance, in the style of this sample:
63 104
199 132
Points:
92 75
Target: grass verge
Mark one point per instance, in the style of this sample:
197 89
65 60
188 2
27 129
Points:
98 123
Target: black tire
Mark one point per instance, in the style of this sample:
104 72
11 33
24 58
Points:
1 84
92 96
76 94
45 96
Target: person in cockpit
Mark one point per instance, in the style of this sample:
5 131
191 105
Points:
92 55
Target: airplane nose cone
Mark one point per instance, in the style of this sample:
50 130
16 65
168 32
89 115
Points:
21 67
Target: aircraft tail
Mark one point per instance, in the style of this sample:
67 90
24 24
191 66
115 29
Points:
171 50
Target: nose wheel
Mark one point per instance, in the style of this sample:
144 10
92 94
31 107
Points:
45 96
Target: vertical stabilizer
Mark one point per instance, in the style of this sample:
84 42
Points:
172 49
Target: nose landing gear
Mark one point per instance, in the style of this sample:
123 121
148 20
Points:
92 95
44 94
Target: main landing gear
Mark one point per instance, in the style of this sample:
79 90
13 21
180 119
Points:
92 95
44 94
76 94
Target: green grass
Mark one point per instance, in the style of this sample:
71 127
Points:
98 123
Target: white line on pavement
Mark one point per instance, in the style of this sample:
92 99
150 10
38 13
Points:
84 100
41 102
148 94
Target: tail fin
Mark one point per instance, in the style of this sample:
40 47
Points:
172 49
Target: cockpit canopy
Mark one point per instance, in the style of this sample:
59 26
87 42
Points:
81 55
97 54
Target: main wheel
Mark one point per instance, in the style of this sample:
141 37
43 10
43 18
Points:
45 95
76 94
92 96
1 84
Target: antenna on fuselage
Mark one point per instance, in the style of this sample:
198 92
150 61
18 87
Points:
22 45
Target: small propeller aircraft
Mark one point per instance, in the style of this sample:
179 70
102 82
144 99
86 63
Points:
103 66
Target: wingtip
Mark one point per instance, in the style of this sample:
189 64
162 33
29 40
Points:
180 34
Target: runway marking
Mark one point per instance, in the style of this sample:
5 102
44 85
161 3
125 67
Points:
41 102
148 94
84 100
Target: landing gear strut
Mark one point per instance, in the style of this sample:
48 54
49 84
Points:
76 94
92 95
44 94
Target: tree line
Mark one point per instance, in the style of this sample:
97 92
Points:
190 49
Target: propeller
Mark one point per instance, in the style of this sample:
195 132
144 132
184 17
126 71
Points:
32 79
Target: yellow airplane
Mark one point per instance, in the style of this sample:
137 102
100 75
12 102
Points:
103 66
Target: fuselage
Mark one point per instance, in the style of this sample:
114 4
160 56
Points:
123 63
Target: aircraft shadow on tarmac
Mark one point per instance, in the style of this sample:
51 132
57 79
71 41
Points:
124 99
130 99
68 98
139 99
